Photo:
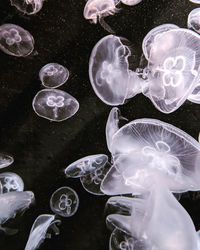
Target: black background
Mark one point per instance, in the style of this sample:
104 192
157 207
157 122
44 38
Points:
42 149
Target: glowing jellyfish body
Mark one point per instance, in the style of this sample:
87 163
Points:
15 41
11 204
29 7
130 2
86 165
96 10
55 105
173 68
109 71
195 1
53 75
121 241
5 160
64 202
39 230
11 182
194 20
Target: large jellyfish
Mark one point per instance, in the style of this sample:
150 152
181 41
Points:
15 41
40 230
29 7
109 72
55 105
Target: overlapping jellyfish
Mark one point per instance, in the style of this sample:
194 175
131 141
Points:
170 75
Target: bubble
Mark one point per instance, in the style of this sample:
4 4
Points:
15 41
5 160
55 105
29 7
11 182
53 75
64 202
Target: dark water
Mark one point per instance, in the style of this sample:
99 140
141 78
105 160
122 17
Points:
42 149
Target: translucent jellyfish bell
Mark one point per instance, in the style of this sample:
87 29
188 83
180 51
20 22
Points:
53 75
86 165
55 105
194 20
130 2
11 182
109 71
29 7
5 160
173 68
119 240
64 202
96 10
39 230
15 41
195 1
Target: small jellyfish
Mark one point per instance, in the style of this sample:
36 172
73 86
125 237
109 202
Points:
15 41
130 2
11 204
96 10
53 75
5 160
41 230
86 165
194 20
64 202
29 7
119 240
11 182
195 1
195 95
109 72
55 105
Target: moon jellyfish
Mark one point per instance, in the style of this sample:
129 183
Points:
195 95
41 230
109 71
64 202
53 75
96 10
55 105
11 204
29 7
195 1
121 241
15 41
5 160
11 182
86 165
194 20
130 2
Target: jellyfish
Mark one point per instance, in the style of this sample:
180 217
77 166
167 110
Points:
130 2
195 95
119 205
109 72
41 230
29 7
15 41
11 182
193 21
11 204
96 10
53 75
173 68
5 160
195 1
121 241
55 105
86 165
64 202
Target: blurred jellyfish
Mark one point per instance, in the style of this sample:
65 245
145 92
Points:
53 75
130 2
5 160
55 105
121 241
64 202
40 230
109 72
11 204
29 7
11 182
86 165
119 205
195 1
195 95
96 10
194 20
15 41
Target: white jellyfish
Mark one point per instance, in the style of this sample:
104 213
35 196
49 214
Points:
5 160
15 41
11 204
130 2
53 75
11 182
55 105
64 202
109 72
39 230
193 21
96 10
195 1
29 7
119 240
